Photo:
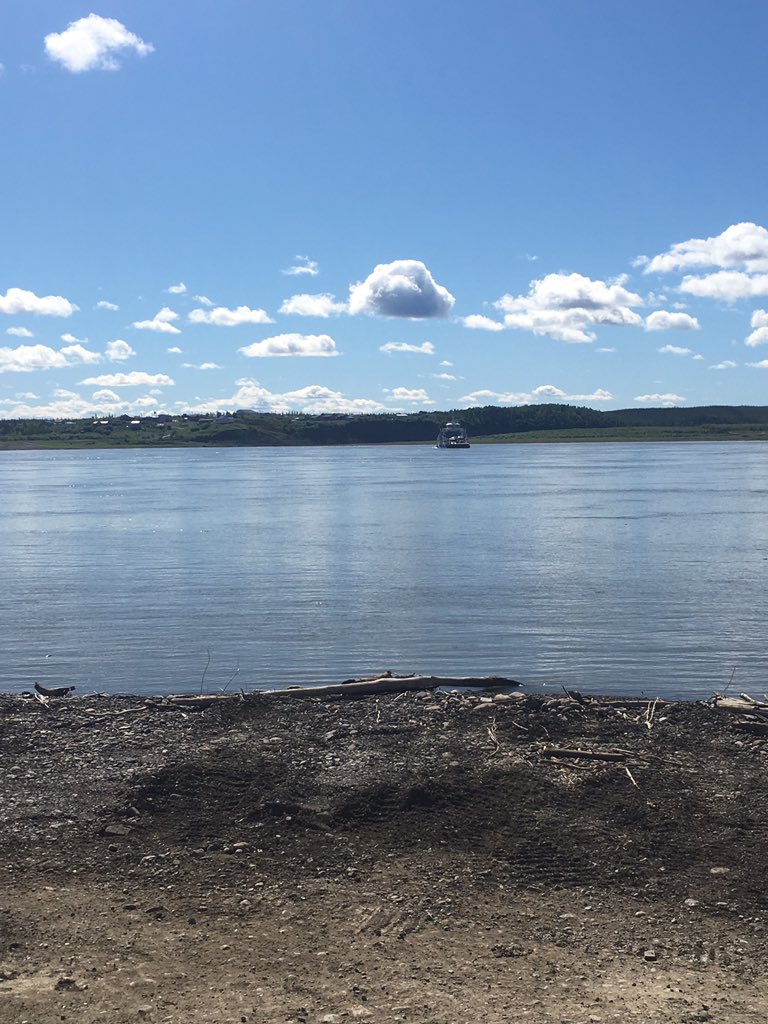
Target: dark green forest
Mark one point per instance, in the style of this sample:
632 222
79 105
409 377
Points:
489 424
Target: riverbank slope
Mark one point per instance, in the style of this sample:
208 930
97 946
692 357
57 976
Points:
415 857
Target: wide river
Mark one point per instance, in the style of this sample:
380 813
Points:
612 568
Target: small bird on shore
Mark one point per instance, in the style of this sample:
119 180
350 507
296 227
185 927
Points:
53 691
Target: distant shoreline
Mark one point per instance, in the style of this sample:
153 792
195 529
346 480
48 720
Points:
246 428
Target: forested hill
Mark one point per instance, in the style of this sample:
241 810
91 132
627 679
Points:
491 423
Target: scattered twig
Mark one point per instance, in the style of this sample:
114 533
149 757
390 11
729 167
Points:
589 755
649 713
631 777
494 737
202 681
235 673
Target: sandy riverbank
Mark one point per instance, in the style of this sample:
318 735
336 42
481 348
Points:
413 858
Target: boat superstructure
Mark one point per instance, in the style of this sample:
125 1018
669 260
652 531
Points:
452 435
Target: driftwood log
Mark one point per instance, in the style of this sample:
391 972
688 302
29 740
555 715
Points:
354 688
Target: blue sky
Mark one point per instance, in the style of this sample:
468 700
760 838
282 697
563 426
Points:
342 205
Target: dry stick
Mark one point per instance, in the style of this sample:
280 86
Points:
494 737
202 681
590 755
235 673
631 777
650 712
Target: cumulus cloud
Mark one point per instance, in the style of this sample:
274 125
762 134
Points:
292 345
177 289
20 332
223 317
161 322
415 396
741 246
103 304
727 364
661 320
203 300
27 358
567 307
93 44
675 350
70 339
728 285
77 353
313 305
18 300
477 322
426 348
444 376
762 365
117 351
312 399
759 335
657 399
201 366
135 379
543 393
304 265
69 405
404 288
175 350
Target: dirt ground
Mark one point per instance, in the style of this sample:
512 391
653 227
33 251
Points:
417 858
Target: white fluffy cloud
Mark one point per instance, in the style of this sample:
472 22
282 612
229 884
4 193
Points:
728 285
117 351
741 246
292 345
201 366
661 320
18 300
477 322
313 305
135 379
762 365
161 322
27 358
223 317
103 304
304 265
675 350
404 288
426 348
93 44
69 405
311 399
666 400
203 300
567 307
543 393
177 289
415 396
727 364
19 332
759 335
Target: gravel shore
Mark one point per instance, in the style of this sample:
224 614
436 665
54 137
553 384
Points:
423 857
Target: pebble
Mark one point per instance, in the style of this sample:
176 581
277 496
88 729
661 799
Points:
650 955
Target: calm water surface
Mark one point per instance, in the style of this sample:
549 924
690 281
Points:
611 568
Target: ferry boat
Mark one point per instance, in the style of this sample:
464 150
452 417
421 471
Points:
452 435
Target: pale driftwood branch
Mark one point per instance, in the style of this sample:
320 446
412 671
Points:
354 688
740 707
589 755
